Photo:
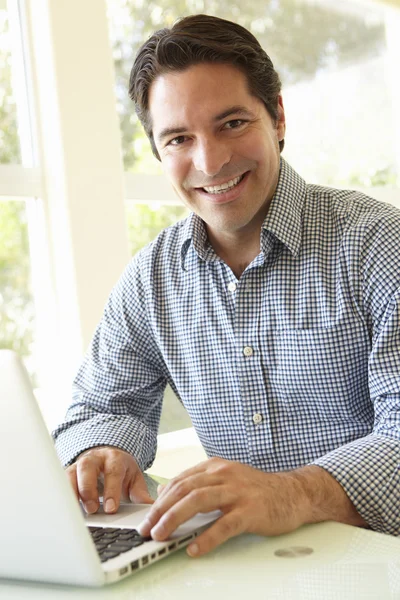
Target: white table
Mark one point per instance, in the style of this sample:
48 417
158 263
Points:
322 562
346 563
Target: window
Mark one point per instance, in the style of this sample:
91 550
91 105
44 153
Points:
17 312
9 140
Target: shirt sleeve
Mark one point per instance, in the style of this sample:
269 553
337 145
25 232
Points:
368 469
118 391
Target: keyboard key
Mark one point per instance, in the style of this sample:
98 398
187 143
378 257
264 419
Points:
129 536
101 547
108 555
121 547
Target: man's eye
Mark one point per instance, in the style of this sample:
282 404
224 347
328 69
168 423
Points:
234 124
177 141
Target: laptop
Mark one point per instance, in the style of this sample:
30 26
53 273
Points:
46 534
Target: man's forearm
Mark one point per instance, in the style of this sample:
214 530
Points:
323 498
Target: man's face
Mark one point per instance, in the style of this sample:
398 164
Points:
218 146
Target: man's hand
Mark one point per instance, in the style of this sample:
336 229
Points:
120 472
250 501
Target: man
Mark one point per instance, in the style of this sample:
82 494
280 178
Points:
272 311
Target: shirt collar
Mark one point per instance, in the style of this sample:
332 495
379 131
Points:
194 235
284 218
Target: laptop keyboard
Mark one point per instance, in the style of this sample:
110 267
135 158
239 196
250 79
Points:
111 541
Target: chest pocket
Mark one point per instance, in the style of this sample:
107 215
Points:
324 371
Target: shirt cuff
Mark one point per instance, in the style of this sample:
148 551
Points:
119 431
368 470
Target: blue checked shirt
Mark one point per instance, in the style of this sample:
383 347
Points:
295 363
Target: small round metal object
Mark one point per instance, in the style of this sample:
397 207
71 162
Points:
294 552
232 286
248 351
257 418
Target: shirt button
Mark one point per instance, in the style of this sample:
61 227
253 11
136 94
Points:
248 351
257 418
232 286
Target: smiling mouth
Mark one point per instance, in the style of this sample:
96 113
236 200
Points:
224 187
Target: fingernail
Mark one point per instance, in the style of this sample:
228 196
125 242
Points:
158 531
91 506
193 549
109 505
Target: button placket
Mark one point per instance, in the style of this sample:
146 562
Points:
250 371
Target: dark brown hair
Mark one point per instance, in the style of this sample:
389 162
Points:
197 39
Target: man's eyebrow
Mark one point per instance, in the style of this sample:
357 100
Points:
240 111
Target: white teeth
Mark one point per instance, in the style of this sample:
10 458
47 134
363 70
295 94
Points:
218 189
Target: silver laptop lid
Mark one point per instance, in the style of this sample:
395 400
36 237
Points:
42 526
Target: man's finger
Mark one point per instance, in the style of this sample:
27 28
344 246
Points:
176 490
87 470
204 499
223 529
71 474
114 474
138 492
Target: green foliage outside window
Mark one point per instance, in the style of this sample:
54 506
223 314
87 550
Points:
16 305
9 142
145 221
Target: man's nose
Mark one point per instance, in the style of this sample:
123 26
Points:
210 156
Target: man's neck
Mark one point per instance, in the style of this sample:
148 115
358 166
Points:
236 250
